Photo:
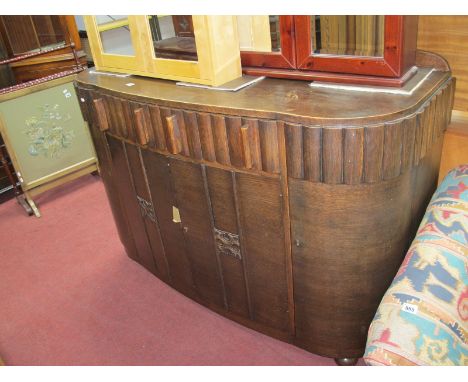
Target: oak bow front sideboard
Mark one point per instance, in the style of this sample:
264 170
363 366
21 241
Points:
283 207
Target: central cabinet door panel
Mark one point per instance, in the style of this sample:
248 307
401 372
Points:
128 197
261 220
159 181
231 255
189 186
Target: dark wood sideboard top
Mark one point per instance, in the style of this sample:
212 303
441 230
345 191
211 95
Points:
287 100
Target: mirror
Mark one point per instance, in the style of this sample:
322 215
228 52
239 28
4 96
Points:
173 37
115 35
348 35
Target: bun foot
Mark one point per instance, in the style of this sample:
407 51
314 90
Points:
346 361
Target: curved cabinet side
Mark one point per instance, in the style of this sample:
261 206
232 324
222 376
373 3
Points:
352 224
86 99
348 242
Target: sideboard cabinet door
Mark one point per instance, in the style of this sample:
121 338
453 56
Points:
344 258
228 245
214 232
162 193
101 146
261 220
249 235
195 216
130 203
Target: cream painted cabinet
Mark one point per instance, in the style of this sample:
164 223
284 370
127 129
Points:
183 48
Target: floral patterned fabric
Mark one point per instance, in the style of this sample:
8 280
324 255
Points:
423 317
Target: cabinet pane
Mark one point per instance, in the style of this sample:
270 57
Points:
173 37
259 33
115 35
48 30
348 35
31 33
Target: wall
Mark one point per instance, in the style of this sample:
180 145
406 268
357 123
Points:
80 22
448 36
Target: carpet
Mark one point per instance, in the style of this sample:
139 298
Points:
69 295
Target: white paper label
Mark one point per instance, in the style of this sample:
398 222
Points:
410 308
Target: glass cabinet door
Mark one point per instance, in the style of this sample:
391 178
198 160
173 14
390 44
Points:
173 37
266 41
347 35
26 34
114 32
259 33
173 47
115 42
184 48
365 45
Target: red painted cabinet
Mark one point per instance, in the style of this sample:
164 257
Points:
371 50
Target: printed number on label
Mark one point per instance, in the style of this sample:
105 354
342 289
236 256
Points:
410 308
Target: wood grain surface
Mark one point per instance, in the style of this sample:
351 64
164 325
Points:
448 36
293 215
276 99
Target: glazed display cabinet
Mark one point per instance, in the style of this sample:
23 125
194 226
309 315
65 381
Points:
55 36
182 48
367 50
283 207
